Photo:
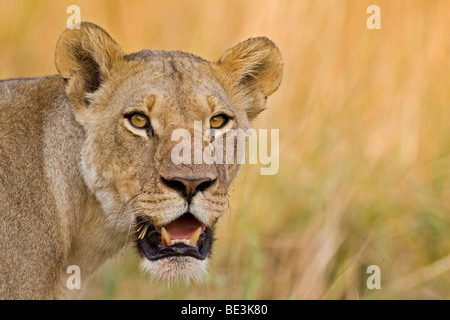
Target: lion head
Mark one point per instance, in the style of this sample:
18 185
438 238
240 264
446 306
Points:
129 106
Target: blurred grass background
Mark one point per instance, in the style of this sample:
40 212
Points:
364 142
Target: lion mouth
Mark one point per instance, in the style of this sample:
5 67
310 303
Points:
185 236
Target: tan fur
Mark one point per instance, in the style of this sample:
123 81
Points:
74 173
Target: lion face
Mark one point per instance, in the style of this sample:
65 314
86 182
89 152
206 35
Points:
132 108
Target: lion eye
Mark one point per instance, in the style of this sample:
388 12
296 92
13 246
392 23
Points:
139 120
218 121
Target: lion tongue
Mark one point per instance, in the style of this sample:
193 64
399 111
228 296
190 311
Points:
185 227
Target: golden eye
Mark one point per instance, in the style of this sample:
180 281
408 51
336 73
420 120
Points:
139 120
218 121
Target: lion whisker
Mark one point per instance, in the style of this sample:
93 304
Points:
143 232
125 205
134 212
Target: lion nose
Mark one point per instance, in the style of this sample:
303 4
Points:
189 187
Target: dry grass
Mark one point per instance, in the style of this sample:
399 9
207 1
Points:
364 142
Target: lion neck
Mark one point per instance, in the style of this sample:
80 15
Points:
87 238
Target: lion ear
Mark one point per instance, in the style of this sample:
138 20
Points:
85 56
255 67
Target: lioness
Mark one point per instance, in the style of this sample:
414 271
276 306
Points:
85 158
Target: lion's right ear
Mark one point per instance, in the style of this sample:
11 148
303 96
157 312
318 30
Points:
253 67
85 56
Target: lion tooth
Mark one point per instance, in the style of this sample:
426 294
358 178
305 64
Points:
174 241
165 237
194 238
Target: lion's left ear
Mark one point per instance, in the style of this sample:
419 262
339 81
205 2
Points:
85 56
254 67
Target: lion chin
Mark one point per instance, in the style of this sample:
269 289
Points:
175 269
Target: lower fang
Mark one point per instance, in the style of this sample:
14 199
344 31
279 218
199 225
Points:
194 238
165 237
